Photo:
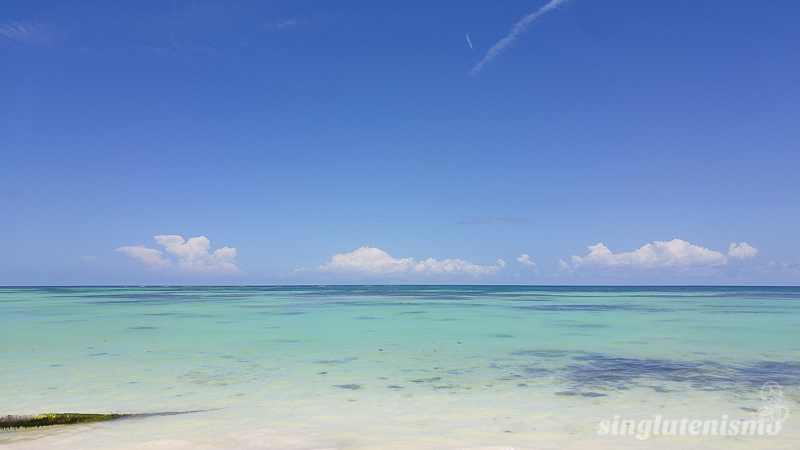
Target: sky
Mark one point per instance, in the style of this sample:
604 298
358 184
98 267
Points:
563 142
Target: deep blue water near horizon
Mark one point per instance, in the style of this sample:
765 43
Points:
393 366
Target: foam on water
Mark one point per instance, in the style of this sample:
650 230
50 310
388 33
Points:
393 367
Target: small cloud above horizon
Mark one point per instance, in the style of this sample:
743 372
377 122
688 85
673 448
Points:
483 220
525 260
376 262
780 270
676 257
194 256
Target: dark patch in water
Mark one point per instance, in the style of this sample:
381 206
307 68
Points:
335 361
426 380
538 372
510 377
584 394
395 387
98 354
568 393
585 371
498 366
617 372
353 387
142 328
593 308
367 318
541 353
503 335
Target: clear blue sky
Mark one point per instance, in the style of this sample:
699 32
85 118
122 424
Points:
371 142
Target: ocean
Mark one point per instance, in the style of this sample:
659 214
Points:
403 367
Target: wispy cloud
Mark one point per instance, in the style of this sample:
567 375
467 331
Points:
787 273
563 269
469 42
512 36
372 261
12 194
149 256
194 256
29 32
674 257
483 220
283 25
209 28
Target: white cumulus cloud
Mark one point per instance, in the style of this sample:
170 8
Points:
454 266
675 256
525 260
193 256
374 261
675 253
368 260
742 251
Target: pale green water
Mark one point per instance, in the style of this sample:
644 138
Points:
399 367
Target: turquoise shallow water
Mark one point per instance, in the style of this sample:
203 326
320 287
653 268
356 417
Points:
394 367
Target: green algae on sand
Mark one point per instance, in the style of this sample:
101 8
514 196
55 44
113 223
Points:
43 420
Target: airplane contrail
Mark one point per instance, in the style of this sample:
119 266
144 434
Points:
508 40
469 42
